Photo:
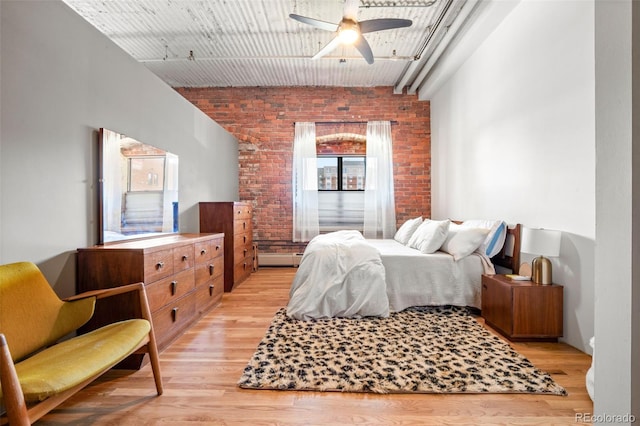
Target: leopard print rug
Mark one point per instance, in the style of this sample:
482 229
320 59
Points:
424 349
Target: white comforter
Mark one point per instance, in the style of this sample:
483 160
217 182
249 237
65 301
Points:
417 279
340 275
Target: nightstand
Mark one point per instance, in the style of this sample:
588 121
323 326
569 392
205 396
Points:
522 310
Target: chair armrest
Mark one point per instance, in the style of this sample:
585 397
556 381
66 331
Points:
107 292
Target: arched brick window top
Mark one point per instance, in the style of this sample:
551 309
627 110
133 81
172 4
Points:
341 144
341 137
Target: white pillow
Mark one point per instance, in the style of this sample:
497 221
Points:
496 237
462 241
429 236
407 229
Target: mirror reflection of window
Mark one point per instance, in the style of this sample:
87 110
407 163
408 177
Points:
146 173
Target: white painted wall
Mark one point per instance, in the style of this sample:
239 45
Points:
61 80
617 289
513 138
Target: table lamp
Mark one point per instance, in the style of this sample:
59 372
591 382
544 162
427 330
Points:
541 242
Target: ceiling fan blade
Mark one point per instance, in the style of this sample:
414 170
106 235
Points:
350 10
372 25
364 49
329 47
315 22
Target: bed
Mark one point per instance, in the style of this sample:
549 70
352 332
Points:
342 274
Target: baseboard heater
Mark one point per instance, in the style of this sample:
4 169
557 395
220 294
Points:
279 259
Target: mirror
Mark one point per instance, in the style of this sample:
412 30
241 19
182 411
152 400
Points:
137 190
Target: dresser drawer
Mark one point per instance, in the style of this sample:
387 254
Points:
158 265
210 269
242 269
169 321
242 252
242 211
217 247
209 294
244 239
183 258
168 289
202 252
242 226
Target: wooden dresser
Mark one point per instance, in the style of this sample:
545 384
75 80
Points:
234 220
183 274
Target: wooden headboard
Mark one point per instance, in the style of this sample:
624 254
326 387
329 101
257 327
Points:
513 241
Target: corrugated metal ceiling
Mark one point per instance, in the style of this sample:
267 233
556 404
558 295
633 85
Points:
200 43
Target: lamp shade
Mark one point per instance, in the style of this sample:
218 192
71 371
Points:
541 242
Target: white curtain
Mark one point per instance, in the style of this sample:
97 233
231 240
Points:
379 198
305 183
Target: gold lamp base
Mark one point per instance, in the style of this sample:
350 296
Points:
541 271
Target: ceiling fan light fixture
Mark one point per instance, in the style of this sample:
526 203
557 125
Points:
348 32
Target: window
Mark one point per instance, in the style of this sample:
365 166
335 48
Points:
341 173
341 182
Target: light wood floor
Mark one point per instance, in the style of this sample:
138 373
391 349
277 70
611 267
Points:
201 368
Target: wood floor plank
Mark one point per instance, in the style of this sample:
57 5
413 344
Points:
201 368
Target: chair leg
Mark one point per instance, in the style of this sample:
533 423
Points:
151 345
155 362
11 390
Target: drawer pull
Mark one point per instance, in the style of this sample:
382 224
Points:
218 247
484 286
244 238
160 265
211 267
184 258
239 211
244 251
244 225
203 252
244 266
211 286
174 314
174 287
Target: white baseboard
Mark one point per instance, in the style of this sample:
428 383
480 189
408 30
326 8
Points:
279 259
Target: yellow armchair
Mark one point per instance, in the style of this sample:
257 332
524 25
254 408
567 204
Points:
37 372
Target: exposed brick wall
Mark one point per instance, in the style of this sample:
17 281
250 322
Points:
263 121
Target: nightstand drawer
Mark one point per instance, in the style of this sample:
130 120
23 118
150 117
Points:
522 310
537 312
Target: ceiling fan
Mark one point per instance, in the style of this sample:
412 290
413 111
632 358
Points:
350 31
